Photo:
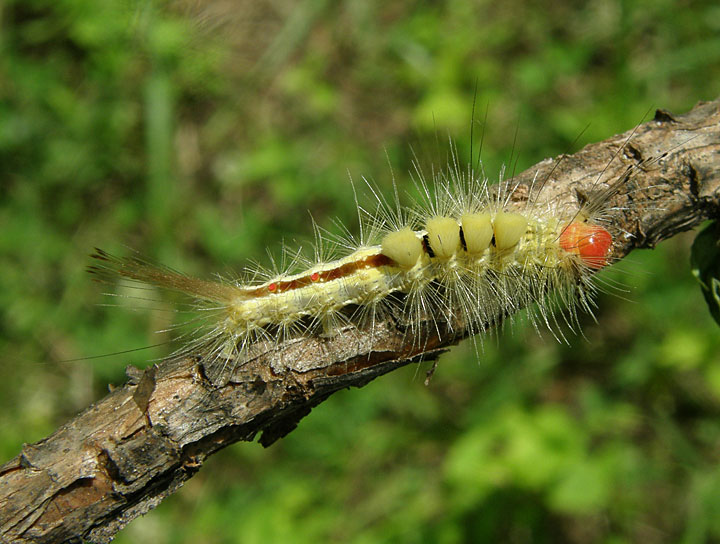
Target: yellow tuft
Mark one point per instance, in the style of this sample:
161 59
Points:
477 232
403 247
443 236
509 228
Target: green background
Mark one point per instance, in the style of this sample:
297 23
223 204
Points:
200 133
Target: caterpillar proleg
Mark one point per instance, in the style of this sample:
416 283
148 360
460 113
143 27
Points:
469 255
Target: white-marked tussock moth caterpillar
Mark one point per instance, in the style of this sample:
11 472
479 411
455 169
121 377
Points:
461 260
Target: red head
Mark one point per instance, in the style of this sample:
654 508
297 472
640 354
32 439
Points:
591 242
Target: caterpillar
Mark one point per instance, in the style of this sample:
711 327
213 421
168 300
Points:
469 254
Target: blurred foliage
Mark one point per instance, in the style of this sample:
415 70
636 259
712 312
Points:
199 133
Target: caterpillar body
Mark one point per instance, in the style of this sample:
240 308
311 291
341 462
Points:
471 254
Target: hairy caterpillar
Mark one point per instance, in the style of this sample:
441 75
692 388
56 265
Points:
469 254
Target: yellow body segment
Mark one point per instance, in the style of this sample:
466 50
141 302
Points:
403 247
443 236
508 229
477 232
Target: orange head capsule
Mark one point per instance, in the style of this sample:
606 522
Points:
591 242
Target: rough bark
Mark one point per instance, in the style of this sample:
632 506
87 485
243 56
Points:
126 453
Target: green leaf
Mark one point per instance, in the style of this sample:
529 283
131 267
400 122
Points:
705 262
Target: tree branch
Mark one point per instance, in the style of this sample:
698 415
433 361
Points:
122 456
